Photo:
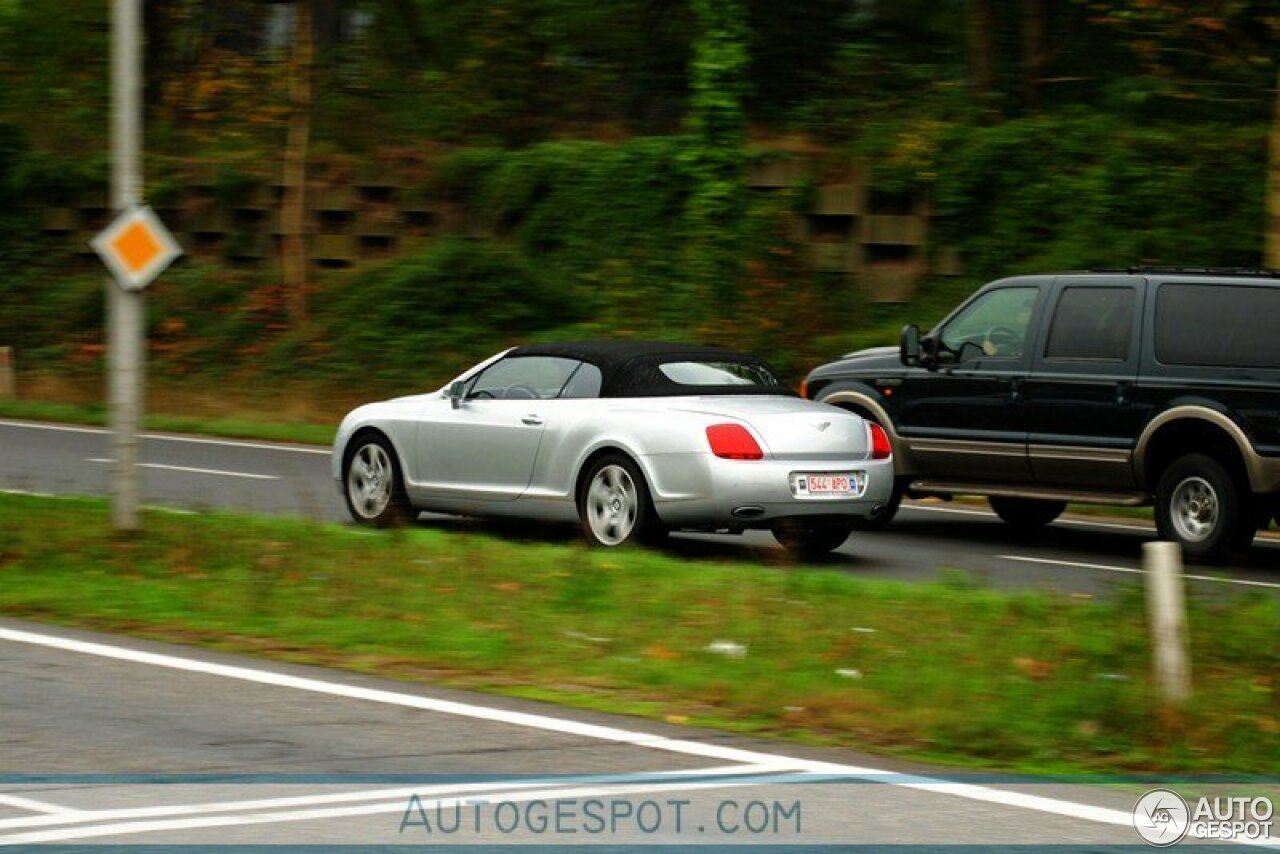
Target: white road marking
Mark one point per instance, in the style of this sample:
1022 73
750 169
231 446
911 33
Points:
399 794
29 493
170 437
28 804
546 723
190 469
1133 571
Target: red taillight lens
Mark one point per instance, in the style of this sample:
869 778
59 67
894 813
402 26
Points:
881 447
733 442
804 388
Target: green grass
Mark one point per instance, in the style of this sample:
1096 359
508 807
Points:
947 671
232 428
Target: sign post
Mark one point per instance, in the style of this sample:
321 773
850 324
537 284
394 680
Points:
136 248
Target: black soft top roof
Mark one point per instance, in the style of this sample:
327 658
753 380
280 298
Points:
630 368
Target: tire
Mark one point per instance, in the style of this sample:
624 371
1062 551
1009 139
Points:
372 483
614 505
809 539
1200 506
1026 513
880 521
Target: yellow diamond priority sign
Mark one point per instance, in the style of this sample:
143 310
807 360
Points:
136 247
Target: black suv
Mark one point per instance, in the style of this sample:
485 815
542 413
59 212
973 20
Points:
1147 385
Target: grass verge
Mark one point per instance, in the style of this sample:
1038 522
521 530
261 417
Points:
942 671
231 428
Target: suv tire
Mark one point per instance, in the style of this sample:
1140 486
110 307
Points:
1026 513
1200 506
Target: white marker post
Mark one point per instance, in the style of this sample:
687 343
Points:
1167 617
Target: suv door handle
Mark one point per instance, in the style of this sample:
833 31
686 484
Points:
1015 388
532 420
1122 393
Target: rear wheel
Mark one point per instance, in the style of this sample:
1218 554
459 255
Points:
614 504
374 486
1200 506
810 539
1026 513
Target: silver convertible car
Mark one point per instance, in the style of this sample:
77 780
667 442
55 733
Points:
632 439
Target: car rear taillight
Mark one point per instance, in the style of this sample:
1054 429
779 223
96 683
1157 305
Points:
733 442
804 388
881 447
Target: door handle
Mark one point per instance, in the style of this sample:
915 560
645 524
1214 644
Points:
1122 393
532 420
1015 388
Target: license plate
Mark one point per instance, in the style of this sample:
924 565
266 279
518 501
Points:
806 485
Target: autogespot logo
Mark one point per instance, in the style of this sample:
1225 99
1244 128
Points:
1161 817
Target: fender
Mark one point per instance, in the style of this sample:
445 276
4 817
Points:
867 398
1264 472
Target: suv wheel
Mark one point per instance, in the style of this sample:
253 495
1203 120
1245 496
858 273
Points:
1199 506
1026 512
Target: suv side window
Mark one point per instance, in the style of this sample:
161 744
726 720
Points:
1093 324
1224 326
996 322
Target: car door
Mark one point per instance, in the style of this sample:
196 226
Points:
1082 407
486 447
964 418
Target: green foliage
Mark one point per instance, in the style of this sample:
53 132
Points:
432 312
596 217
715 158
1087 190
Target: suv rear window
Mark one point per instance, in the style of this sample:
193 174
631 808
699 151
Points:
1225 326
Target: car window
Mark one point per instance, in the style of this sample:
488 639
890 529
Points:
718 373
996 322
585 382
1092 324
522 378
1218 326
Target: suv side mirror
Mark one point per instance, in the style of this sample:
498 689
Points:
457 390
909 348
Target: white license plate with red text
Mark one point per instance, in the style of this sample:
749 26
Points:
833 485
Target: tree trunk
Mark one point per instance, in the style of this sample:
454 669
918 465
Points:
979 24
293 207
1035 42
1271 258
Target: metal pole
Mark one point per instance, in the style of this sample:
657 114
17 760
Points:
125 309
1167 613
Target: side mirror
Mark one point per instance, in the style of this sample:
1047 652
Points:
457 391
909 348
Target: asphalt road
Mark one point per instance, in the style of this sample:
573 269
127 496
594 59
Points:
119 741
1073 556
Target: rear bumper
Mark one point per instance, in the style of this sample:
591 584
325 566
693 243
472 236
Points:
700 490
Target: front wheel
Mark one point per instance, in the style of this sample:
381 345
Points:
374 486
1026 513
1200 506
809 540
614 504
